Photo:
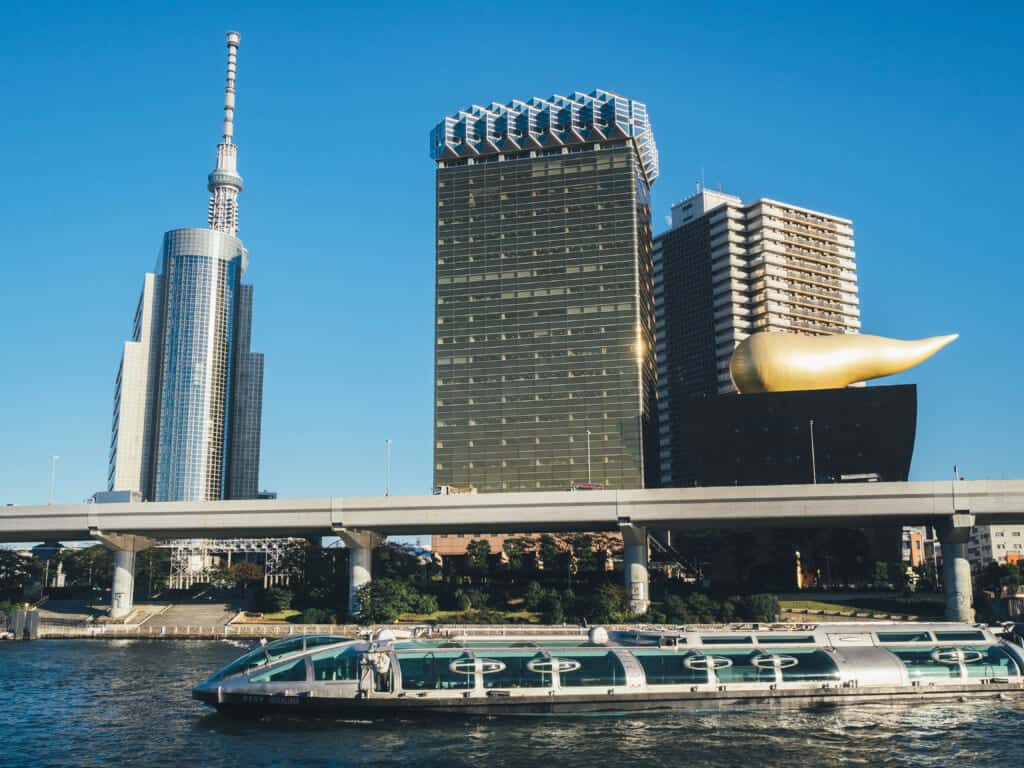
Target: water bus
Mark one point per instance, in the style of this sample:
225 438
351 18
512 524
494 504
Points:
399 673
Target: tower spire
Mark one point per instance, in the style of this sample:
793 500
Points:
224 181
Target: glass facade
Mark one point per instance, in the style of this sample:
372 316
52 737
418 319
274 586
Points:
202 269
544 320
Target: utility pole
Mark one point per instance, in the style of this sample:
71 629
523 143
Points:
814 461
53 475
588 457
387 467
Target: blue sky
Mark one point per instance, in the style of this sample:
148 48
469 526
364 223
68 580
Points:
905 118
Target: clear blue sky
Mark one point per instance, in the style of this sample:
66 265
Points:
905 118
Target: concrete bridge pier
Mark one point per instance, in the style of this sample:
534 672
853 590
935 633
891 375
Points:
360 562
634 557
125 547
956 569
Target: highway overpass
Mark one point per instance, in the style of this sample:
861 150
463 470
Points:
951 506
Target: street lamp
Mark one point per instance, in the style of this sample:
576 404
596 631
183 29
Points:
588 457
53 475
387 467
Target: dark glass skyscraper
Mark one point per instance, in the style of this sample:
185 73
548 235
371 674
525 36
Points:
189 392
544 361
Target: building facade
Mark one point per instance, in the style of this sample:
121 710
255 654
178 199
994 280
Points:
724 271
1003 544
544 357
188 394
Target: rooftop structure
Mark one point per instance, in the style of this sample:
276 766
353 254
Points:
543 124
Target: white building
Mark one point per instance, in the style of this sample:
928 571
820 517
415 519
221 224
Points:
774 267
995 543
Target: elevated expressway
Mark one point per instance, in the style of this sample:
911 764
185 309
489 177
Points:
953 507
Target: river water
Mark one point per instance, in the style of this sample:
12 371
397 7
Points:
127 703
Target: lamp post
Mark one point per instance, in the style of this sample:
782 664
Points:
387 467
53 475
814 461
588 456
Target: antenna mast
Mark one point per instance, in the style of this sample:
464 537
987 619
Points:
224 181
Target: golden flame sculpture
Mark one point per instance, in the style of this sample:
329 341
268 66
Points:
782 362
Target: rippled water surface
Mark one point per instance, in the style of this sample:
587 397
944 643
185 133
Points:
127 703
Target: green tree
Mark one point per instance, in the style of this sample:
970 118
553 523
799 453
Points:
583 548
383 600
548 549
552 609
514 552
761 608
535 595
880 575
275 600
17 572
701 608
610 605
477 552
92 566
245 573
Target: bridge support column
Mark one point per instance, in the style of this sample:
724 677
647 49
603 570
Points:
122 590
360 562
956 569
634 557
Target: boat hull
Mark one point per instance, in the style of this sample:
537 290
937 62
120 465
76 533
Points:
254 704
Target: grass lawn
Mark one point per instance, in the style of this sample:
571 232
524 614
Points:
278 617
923 606
470 617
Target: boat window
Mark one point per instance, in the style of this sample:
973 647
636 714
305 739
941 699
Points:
778 639
960 636
252 659
595 668
516 673
920 664
810 665
280 648
291 672
662 668
740 667
429 671
338 664
725 639
993 662
904 637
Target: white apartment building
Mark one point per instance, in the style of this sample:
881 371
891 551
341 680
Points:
774 267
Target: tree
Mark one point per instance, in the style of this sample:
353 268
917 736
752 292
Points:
276 599
152 567
548 548
383 600
552 609
514 552
583 548
880 575
535 595
245 572
610 605
17 572
90 566
477 552
761 608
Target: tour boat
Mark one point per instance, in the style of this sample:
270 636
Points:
401 673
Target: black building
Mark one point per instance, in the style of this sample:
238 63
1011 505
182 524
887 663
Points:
826 436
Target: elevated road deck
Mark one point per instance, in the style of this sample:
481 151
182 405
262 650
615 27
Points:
953 507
